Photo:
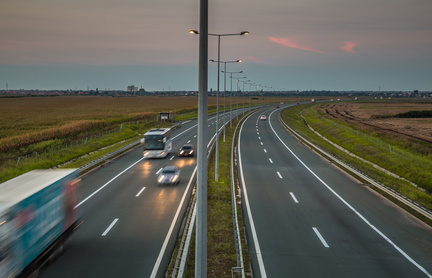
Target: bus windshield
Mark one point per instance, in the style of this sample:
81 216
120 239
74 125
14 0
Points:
154 142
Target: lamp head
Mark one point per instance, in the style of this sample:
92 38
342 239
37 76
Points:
193 32
244 33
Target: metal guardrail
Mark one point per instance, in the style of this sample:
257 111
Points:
83 169
104 158
180 265
410 203
237 239
185 245
190 224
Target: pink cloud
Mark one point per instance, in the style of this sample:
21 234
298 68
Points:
349 47
287 43
254 59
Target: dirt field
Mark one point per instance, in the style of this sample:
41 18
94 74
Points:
366 112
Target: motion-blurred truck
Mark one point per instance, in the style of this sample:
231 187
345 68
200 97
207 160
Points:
38 213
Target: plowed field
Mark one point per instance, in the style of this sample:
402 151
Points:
367 113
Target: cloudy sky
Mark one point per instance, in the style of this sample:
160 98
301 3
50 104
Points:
293 44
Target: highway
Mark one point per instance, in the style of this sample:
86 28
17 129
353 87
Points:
306 218
130 223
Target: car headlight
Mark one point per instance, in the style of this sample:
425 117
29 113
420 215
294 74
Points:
162 153
181 152
191 152
146 153
175 178
161 178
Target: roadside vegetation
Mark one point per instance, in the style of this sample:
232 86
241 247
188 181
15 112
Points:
46 132
50 131
409 159
221 250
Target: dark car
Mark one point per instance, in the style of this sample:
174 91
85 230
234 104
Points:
169 175
186 150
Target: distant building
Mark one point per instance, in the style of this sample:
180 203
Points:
132 88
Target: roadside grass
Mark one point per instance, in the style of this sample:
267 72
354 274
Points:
388 152
221 250
220 239
72 151
54 152
367 144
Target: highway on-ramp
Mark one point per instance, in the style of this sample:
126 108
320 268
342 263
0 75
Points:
306 218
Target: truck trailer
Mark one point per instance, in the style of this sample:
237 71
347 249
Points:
38 213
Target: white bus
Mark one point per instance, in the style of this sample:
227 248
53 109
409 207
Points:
157 143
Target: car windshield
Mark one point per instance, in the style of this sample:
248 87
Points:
169 171
187 147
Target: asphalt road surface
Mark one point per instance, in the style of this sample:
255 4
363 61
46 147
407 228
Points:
130 223
306 218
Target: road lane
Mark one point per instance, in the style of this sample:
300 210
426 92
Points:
115 192
286 229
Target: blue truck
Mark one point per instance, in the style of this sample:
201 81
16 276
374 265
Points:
38 213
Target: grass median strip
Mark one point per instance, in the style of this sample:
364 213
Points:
221 249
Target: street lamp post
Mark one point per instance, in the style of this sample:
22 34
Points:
217 99
231 73
224 71
201 214
244 95
238 90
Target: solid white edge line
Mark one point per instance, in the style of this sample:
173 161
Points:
352 208
162 251
100 188
320 237
165 244
252 224
110 227
139 193
294 197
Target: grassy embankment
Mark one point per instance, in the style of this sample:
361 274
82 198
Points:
401 157
44 132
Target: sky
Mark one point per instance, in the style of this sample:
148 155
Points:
336 45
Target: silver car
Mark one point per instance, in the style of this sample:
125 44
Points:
169 175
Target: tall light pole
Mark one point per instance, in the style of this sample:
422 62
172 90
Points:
243 91
224 71
237 78
231 73
201 215
217 98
